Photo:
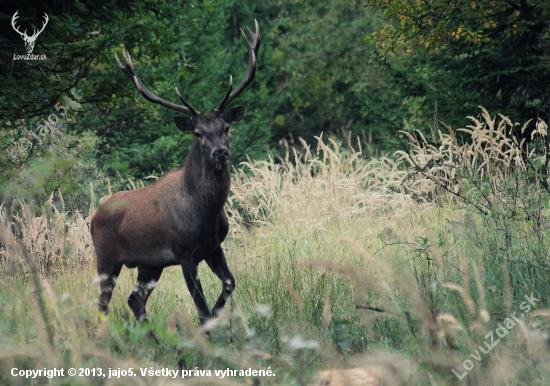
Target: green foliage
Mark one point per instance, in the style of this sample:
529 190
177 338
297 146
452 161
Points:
322 74
76 35
315 71
454 56
194 50
427 26
314 74
310 78
59 161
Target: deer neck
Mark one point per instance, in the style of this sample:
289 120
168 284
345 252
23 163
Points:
202 182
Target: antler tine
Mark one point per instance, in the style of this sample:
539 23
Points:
36 33
222 103
127 58
185 103
255 37
13 19
251 69
129 71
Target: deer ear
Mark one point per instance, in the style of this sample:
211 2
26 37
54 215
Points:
184 123
234 115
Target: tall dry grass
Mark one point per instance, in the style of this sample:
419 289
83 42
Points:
491 151
340 261
330 179
56 240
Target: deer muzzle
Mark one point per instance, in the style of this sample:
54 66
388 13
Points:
220 157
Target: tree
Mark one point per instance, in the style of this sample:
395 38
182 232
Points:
322 73
38 96
76 34
460 54
196 51
314 75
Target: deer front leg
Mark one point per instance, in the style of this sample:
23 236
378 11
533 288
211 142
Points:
191 275
218 265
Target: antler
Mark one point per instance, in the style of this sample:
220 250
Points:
35 34
129 71
251 69
15 16
24 34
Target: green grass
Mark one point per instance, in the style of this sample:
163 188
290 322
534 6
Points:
309 251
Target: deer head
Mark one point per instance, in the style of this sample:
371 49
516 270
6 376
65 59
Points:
29 40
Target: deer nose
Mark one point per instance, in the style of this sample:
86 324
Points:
221 155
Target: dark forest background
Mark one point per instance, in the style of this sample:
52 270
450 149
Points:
369 68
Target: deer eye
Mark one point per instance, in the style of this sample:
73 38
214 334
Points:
197 134
227 129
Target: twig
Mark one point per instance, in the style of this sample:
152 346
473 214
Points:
438 183
359 307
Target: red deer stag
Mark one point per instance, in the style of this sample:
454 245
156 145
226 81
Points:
178 220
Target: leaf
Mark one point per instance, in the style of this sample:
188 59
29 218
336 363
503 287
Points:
71 104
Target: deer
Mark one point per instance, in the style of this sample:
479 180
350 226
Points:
29 40
180 218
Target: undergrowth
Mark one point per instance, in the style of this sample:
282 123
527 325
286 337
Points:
404 265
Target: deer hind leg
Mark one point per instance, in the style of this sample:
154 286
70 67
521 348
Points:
146 282
218 265
108 275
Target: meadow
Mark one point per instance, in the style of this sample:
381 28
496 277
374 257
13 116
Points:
427 267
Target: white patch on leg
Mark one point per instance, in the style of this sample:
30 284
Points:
152 284
100 278
137 287
228 281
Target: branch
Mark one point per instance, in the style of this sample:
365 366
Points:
359 307
438 183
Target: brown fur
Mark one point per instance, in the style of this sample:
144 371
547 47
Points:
178 220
